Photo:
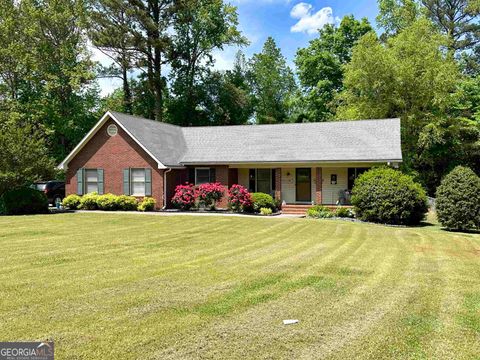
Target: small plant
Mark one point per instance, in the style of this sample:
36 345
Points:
209 193
343 212
89 201
147 204
71 201
184 197
319 212
458 200
239 199
385 195
262 200
108 202
265 211
127 203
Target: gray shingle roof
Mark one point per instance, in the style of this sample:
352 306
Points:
346 141
165 141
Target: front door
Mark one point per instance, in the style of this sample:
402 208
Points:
303 177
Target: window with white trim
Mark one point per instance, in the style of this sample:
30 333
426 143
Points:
91 180
202 176
137 181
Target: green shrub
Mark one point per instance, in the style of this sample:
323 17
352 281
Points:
262 200
147 204
127 203
23 201
343 212
108 202
385 195
265 211
71 201
89 201
319 212
458 200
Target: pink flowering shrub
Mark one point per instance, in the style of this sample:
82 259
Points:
239 199
184 197
210 193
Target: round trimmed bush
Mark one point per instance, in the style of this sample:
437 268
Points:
23 201
147 204
385 195
210 193
127 203
458 200
185 197
72 202
89 201
239 199
108 202
262 200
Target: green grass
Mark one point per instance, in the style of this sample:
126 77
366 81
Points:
111 286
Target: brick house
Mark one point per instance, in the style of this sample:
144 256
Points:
296 163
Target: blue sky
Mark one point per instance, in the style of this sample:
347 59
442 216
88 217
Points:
292 23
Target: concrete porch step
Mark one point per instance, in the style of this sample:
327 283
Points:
296 209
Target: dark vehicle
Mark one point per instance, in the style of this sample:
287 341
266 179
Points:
54 189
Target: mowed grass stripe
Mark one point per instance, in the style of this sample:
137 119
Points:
107 285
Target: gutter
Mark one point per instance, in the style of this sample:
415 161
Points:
165 187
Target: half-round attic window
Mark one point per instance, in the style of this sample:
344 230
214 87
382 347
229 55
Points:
112 130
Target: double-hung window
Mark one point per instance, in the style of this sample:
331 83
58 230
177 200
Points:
89 180
202 176
137 182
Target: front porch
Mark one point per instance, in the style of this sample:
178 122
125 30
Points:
296 187
326 185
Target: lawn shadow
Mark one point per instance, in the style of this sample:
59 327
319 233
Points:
467 231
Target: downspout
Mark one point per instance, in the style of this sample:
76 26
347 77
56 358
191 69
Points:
165 188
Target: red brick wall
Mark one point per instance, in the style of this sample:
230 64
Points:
221 176
113 154
278 183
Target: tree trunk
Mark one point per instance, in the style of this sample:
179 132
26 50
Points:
127 94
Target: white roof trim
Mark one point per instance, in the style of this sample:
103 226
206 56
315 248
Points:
108 115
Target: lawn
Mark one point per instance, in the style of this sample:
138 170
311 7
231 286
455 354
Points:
112 286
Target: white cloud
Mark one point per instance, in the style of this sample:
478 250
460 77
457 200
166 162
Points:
301 10
309 21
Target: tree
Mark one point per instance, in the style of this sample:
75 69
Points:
396 15
272 84
46 72
457 19
151 21
401 79
24 157
320 65
109 31
201 27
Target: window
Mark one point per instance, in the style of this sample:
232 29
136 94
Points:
91 180
137 182
264 181
261 180
112 130
202 176
353 173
